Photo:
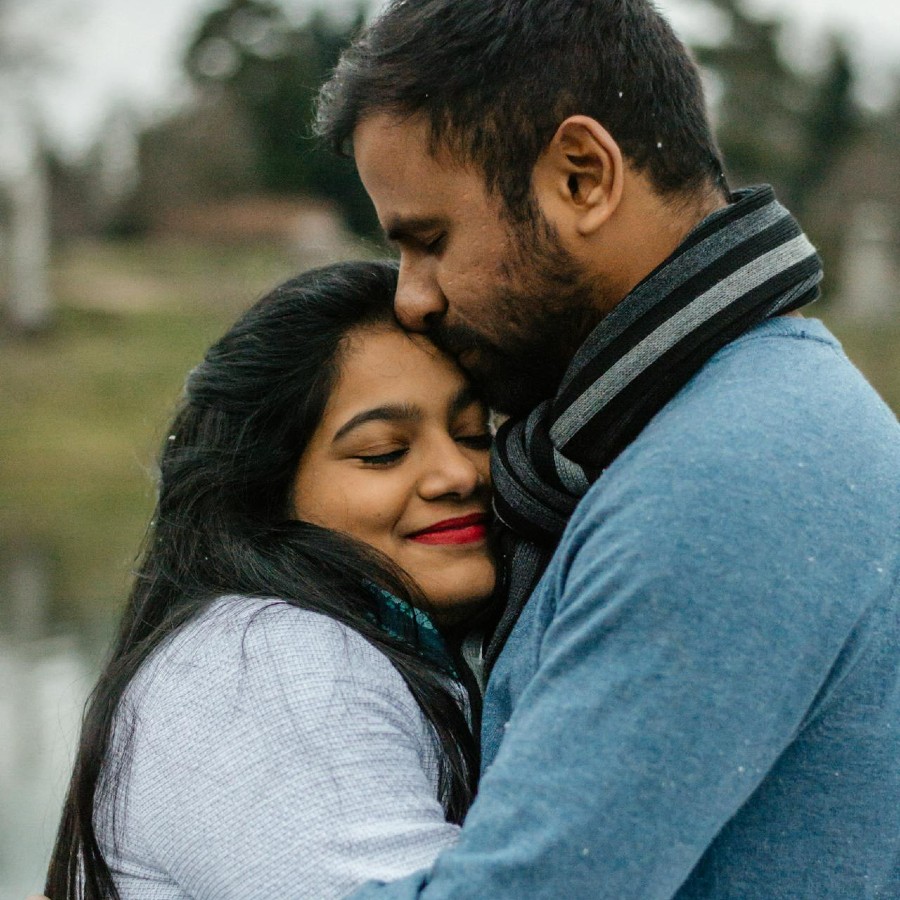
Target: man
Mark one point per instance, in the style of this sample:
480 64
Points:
701 696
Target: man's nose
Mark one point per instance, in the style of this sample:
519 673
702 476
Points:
419 300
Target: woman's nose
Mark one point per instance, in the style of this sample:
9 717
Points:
448 471
419 301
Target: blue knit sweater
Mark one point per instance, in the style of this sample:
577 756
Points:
702 697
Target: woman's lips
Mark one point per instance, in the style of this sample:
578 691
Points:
464 530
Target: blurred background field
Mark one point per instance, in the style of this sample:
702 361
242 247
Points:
85 403
126 250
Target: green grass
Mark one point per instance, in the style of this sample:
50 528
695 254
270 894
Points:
84 407
80 423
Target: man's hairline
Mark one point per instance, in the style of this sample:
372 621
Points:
679 198
435 147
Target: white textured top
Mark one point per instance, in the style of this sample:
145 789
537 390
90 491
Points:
276 753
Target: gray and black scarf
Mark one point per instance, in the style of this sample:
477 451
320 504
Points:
743 264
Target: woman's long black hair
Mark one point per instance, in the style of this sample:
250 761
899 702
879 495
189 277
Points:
222 526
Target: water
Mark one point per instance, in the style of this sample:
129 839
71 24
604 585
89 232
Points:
46 671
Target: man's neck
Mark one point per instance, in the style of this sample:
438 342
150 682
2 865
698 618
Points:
649 229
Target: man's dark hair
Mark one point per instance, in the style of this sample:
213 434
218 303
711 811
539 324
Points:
495 78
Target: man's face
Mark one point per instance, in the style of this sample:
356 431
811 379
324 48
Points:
507 300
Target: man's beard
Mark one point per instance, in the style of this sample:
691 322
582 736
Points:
549 306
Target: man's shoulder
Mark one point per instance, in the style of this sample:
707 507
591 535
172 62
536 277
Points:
786 381
778 441
782 398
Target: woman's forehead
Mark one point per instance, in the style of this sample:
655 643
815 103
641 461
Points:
386 365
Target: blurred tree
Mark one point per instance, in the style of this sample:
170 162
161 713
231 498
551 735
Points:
780 124
252 55
832 122
758 125
776 123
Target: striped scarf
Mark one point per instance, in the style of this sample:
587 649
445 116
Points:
740 266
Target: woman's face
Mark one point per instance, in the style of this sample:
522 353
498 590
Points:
400 462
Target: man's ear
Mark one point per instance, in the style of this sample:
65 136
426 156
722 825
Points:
581 174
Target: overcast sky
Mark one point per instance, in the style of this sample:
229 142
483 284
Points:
129 51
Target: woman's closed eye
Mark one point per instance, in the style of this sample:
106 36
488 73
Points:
382 459
480 441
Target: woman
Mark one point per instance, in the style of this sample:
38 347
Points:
277 716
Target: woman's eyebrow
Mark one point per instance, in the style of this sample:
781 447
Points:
392 412
464 398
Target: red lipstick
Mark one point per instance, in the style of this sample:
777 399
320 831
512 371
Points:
464 530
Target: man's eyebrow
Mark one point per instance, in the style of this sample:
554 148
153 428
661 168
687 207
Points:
394 412
399 229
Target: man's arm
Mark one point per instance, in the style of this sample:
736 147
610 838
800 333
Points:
689 639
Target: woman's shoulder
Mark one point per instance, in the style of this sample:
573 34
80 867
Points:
269 648
259 720
254 626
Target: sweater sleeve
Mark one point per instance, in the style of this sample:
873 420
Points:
276 753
